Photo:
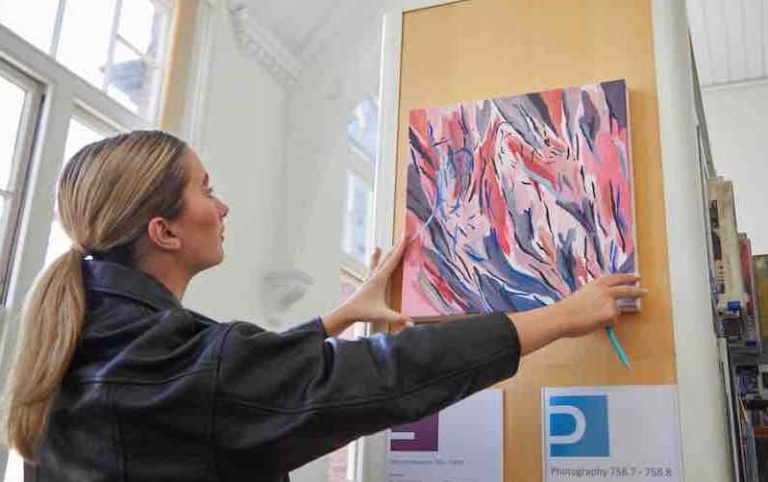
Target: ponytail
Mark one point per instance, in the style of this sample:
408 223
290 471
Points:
108 191
52 322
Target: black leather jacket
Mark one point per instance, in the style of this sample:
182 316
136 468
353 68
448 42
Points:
159 393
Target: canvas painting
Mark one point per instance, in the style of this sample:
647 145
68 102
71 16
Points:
514 203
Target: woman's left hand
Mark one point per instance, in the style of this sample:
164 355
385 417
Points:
369 302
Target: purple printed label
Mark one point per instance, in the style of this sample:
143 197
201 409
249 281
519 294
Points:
418 436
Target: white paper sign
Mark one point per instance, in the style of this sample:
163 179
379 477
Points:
625 434
463 443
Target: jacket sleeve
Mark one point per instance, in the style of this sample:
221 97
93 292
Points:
283 400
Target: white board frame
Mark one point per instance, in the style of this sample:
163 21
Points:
372 453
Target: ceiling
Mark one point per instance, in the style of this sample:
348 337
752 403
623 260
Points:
294 22
730 40
303 27
730 37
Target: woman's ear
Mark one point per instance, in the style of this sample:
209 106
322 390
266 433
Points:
162 235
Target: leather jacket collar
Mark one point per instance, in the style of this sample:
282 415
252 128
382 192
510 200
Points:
117 279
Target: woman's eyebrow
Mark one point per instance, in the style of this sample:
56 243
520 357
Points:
205 179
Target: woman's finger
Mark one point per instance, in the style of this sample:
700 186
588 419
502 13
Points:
393 258
375 259
398 318
627 291
388 254
618 279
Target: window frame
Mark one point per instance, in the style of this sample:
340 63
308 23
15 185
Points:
20 166
358 163
62 94
160 64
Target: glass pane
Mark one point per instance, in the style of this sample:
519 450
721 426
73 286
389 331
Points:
12 102
5 203
58 242
78 136
33 20
85 34
141 25
362 128
357 219
133 82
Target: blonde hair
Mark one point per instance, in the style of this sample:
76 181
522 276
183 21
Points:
107 194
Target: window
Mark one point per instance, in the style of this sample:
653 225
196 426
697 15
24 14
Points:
20 98
356 241
357 230
117 45
356 237
362 128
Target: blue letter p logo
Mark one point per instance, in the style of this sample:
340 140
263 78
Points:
578 426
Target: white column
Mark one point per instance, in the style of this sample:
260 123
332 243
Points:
702 401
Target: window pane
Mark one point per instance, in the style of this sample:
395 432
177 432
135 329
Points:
12 102
78 136
85 34
58 242
133 83
33 20
362 128
357 219
141 25
5 203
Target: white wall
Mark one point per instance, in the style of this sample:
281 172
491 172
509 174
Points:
241 146
271 151
334 79
737 118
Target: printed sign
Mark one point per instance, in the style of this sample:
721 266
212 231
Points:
627 433
461 443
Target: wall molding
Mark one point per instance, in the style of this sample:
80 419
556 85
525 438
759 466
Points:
259 43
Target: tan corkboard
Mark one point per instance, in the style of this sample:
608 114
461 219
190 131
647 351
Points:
480 49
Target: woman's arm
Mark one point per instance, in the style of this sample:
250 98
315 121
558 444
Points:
592 307
284 399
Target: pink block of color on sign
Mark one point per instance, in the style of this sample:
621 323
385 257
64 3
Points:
514 203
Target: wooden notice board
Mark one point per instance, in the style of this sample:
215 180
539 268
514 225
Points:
480 49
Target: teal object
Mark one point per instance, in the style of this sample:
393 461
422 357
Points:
617 346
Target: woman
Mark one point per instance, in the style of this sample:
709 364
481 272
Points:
115 380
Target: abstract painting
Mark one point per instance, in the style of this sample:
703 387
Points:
514 203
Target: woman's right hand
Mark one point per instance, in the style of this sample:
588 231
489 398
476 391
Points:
592 307
596 305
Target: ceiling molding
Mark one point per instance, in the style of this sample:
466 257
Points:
259 43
